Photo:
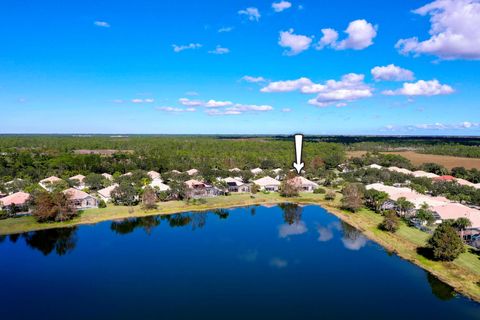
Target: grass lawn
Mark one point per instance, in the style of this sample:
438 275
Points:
463 274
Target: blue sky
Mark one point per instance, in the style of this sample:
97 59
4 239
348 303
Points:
254 67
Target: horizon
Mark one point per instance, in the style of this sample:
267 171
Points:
349 68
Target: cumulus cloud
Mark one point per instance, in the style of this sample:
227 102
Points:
225 29
280 6
287 85
360 35
286 110
190 103
286 230
421 88
392 72
208 104
454 32
180 48
252 13
253 79
295 43
102 24
351 87
176 110
219 50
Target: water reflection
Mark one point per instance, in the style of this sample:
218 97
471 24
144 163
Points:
62 240
352 238
249 256
292 216
440 289
278 263
127 226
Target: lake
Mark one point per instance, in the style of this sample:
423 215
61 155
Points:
282 262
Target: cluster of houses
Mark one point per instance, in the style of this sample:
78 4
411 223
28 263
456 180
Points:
196 188
441 207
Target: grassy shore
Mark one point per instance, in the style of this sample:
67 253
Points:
463 274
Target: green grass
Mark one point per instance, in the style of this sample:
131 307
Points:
462 274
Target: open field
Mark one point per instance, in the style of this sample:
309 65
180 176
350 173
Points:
418 158
463 274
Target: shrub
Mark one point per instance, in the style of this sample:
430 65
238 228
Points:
390 222
102 204
330 195
446 243
320 191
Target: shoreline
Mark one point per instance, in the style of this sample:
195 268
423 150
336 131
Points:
462 274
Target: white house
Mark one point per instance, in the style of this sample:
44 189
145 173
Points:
80 199
236 185
80 178
256 171
303 184
268 184
192 172
107 176
375 166
234 170
105 193
48 182
158 183
17 202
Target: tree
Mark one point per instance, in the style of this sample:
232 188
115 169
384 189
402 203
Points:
178 190
95 181
352 199
54 206
404 206
461 224
434 168
445 242
149 198
374 199
124 194
330 195
390 222
288 189
424 214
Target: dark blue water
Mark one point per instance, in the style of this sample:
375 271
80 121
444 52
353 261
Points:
248 263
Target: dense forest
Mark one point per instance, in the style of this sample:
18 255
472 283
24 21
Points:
36 157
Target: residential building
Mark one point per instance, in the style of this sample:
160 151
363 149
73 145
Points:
256 171
199 189
237 185
153 175
80 178
48 183
105 193
81 200
16 203
268 184
303 184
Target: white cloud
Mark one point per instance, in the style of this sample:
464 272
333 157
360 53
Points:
175 110
217 104
465 125
253 79
252 13
392 73
148 100
238 109
190 103
286 110
454 31
225 29
294 42
287 85
324 234
354 243
102 24
219 50
208 104
180 48
421 88
351 87
360 35
280 6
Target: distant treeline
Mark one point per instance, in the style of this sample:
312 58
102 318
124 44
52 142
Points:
35 157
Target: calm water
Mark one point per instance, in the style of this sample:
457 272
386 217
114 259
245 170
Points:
276 263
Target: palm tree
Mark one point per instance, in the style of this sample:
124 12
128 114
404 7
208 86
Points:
404 206
461 224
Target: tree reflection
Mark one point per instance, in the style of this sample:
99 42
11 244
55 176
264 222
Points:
178 220
13 237
61 240
2 238
292 213
129 225
352 238
440 289
221 213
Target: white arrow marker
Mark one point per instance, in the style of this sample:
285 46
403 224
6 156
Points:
298 164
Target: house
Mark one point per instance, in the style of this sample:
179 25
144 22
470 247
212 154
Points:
268 184
457 210
423 174
153 175
126 174
105 193
303 184
235 170
107 176
48 182
81 200
80 178
400 170
444 179
236 185
158 184
375 166
256 171
176 172
464 182
199 189
16 202
192 172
